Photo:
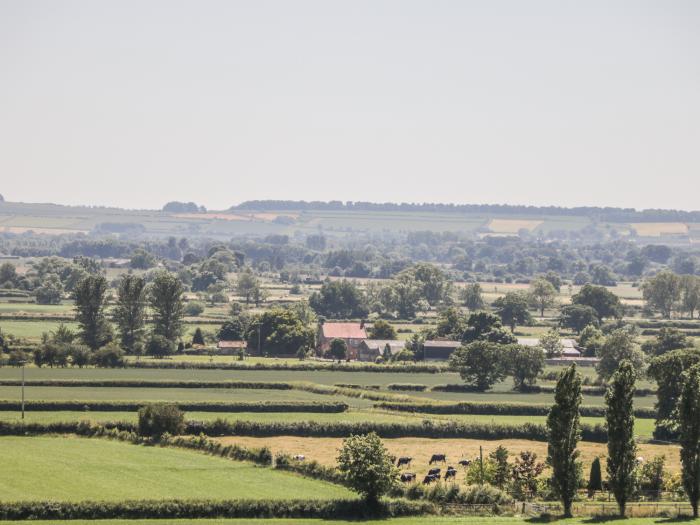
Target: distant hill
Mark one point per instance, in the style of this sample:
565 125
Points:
2 199
608 214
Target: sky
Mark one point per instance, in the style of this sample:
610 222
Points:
135 103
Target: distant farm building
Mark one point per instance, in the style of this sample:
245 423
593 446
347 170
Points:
370 349
570 349
352 333
434 350
231 347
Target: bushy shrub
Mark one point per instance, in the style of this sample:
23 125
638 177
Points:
159 418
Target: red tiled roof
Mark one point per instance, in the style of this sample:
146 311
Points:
343 331
231 344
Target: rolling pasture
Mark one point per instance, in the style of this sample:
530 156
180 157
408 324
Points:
78 469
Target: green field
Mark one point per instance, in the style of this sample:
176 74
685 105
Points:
76 469
643 427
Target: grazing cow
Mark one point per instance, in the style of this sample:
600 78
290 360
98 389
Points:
299 457
408 477
451 473
405 460
427 480
465 463
436 458
434 472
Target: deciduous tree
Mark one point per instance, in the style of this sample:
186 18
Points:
90 298
367 466
130 312
166 296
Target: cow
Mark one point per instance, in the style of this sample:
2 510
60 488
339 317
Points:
434 472
427 480
436 458
405 460
465 463
408 477
299 457
450 473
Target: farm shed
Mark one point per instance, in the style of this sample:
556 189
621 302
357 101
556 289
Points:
370 349
570 348
434 350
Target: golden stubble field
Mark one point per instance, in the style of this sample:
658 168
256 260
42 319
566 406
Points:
325 450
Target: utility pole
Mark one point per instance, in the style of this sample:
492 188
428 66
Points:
259 326
481 465
23 391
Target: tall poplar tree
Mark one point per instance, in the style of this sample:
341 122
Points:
130 311
90 297
563 435
619 415
168 305
689 426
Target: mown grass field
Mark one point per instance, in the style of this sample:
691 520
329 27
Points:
643 427
51 393
77 469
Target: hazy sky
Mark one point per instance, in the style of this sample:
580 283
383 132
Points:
134 103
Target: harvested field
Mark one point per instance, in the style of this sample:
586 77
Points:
325 450
657 229
512 225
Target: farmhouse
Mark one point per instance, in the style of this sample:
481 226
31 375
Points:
569 351
370 349
435 350
352 333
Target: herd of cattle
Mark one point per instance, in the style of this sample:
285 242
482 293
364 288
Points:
433 474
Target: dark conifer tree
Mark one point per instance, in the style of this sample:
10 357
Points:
622 449
689 426
564 432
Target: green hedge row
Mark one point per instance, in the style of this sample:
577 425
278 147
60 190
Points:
17 428
132 406
193 509
587 390
300 366
496 409
411 387
426 429
137 383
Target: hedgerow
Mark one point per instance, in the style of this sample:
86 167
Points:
495 409
193 509
407 386
301 366
130 406
426 429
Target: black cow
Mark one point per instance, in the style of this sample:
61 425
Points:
405 460
465 463
408 477
450 473
427 480
436 458
434 472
